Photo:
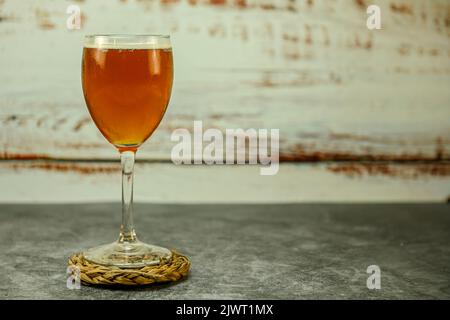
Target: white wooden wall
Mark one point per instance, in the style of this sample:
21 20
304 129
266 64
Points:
344 99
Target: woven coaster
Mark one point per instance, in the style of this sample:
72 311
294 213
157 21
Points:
95 274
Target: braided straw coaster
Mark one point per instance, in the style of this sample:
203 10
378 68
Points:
91 273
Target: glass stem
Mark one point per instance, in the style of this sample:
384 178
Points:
127 233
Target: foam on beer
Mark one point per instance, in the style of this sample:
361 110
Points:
125 42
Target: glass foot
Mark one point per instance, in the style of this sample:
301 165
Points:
128 255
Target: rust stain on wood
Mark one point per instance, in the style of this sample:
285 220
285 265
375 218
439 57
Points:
351 136
288 5
22 156
9 17
291 6
361 4
241 4
402 8
217 30
81 145
405 49
40 121
318 156
440 149
83 18
81 123
290 38
302 154
359 43
301 79
169 2
43 19
46 25
67 167
308 37
398 171
217 2
10 118
241 31
267 6
351 170
314 34
58 123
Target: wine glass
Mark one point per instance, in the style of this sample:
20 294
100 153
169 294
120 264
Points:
127 82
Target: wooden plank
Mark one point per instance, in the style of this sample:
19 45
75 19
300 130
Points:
61 182
310 68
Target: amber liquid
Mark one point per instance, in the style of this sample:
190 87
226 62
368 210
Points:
127 92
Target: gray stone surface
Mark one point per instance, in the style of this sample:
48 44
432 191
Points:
239 251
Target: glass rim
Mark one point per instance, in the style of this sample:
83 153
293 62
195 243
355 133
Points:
127 41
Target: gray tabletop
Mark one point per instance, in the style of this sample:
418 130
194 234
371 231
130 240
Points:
239 251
